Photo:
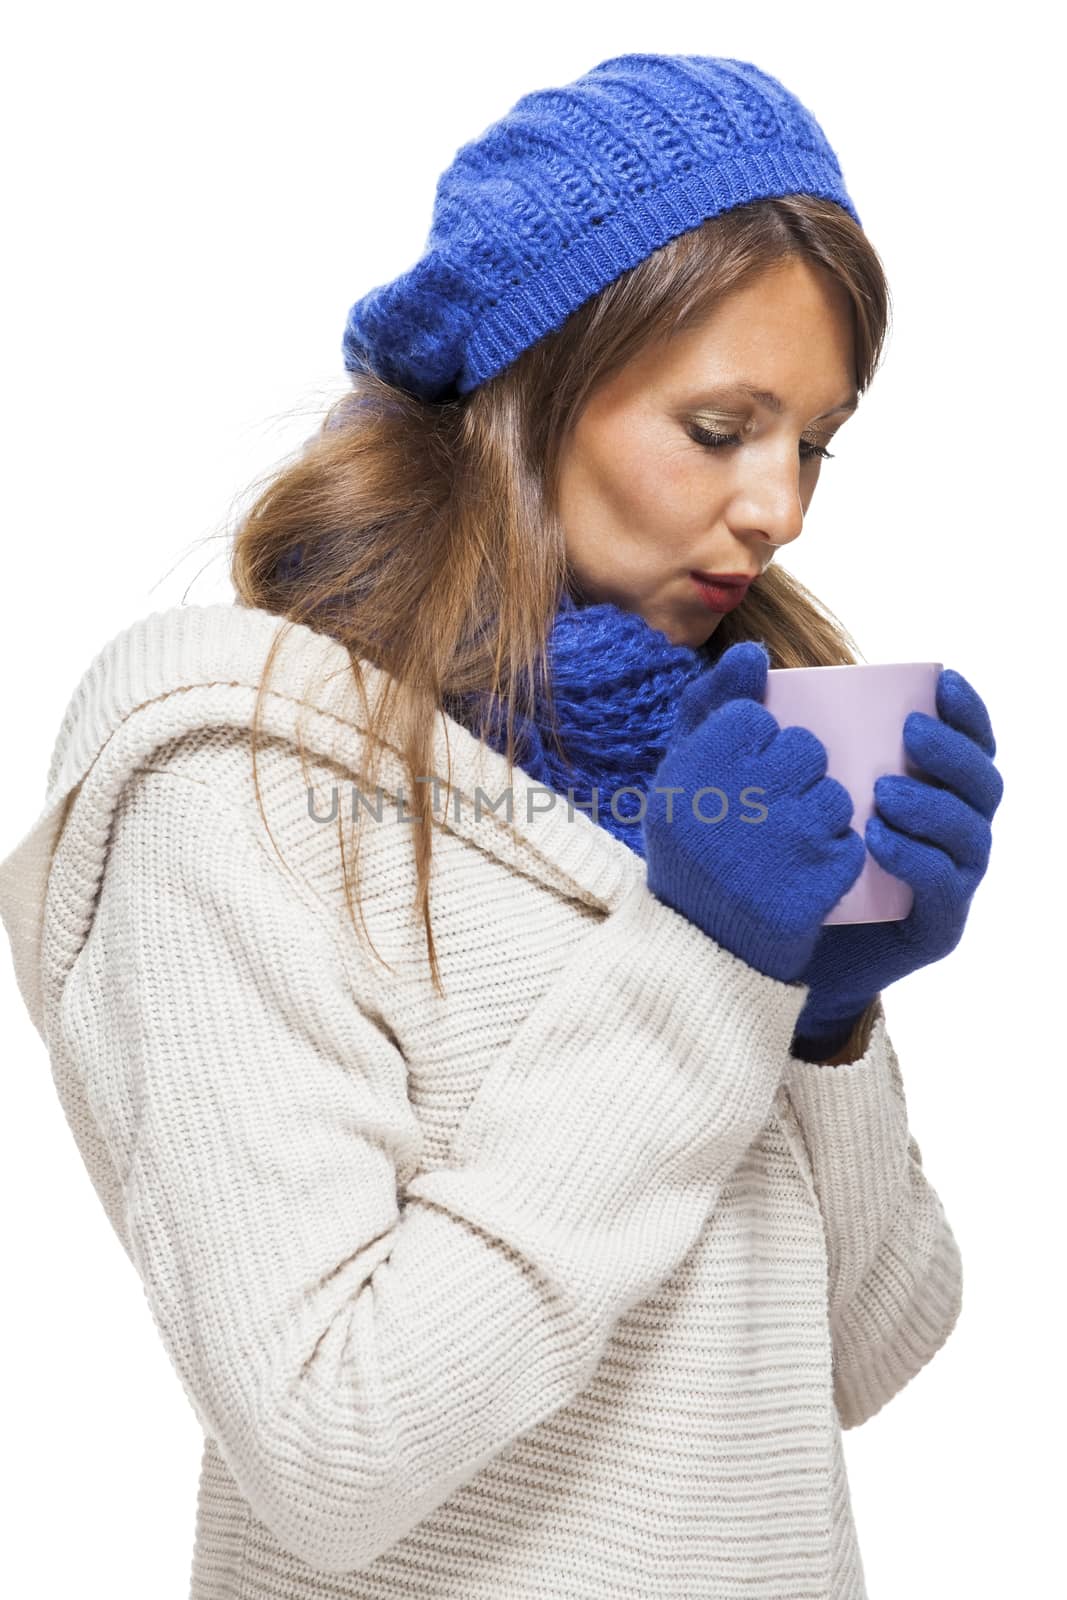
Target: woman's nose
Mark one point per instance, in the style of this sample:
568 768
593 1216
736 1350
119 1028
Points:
773 511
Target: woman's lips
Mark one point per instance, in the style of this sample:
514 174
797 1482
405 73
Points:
719 596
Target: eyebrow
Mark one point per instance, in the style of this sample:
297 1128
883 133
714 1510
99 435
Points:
766 398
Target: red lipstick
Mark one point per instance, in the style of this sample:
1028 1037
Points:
722 591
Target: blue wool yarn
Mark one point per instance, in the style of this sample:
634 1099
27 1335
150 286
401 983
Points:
629 709
759 885
568 190
626 701
616 683
934 832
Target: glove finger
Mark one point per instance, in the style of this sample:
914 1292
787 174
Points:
739 673
816 840
795 761
746 738
738 729
941 890
953 757
836 806
850 860
963 708
936 816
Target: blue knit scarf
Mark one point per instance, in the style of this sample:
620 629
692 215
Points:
616 683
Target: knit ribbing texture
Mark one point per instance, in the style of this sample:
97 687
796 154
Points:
568 190
562 1288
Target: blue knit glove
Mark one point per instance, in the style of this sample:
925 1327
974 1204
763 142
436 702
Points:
935 835
761 879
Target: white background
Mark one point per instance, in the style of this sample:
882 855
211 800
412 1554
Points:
194 198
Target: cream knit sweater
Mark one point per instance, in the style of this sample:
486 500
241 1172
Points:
561 1286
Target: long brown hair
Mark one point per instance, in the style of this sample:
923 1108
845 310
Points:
399 509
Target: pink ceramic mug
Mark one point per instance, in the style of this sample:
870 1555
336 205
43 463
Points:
858 713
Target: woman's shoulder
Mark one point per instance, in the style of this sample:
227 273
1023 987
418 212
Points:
192 664
177 699
245 718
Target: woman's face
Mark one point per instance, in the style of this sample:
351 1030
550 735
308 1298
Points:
644 502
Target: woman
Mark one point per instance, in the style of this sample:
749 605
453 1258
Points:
538 1237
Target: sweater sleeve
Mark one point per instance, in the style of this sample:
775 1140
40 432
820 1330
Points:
895 1271
361 1336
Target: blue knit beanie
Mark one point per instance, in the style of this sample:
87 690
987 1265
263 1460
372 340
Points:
570 189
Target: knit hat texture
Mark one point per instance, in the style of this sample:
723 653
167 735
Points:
571 188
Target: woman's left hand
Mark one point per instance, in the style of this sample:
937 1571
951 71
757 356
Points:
933 832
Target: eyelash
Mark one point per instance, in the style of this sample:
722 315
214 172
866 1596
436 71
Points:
715 441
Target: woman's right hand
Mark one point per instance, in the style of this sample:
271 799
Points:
760 880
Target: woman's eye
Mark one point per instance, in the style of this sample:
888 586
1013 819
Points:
716 441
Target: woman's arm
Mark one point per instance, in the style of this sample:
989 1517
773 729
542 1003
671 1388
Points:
895 1269
361 1336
